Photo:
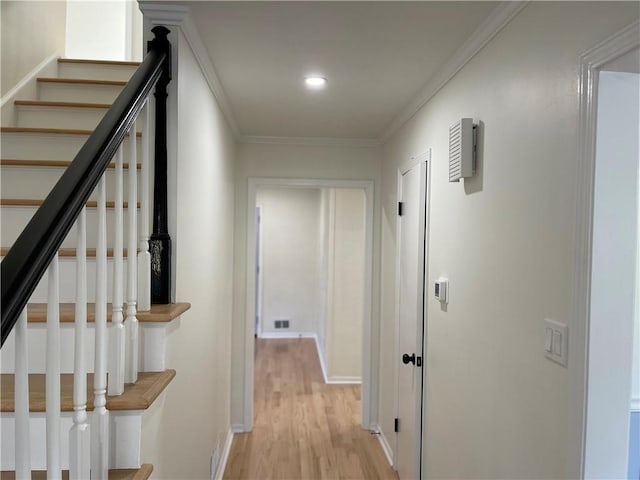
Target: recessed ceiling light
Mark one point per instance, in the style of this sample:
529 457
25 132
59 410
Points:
315 82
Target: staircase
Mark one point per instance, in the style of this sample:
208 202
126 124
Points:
46 134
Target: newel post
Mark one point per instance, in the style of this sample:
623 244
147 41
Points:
160 242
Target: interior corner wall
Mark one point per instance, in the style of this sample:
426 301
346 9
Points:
196 403
291 161
31 32
290 249
494 406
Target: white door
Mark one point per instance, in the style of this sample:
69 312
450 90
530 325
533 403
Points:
411 270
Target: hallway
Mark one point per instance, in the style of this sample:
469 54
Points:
303 428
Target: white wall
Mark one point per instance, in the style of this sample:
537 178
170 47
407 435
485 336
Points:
290 248
289 161
613 289
31 32
180 436
104 30
494 406
346 296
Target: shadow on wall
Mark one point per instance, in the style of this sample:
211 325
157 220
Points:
474 184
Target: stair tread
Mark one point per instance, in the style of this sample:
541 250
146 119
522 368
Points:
36 202
37 312
142 473
41 103
51 131
136 396
117 83
71 252
10 162
98 62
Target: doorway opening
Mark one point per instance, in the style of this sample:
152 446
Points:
311 280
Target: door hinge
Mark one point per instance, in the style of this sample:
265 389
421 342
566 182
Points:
418 361
396 425
399 209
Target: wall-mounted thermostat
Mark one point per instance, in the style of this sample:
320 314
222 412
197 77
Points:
441 290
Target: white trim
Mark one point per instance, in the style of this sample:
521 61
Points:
386 448
313 141
343 380
222 464
180 16
27 87
495 22
590 63
321 358
369 400
237 428
271 335
635 404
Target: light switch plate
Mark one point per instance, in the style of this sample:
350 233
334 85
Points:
556 341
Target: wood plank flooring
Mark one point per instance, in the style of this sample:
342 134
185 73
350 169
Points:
303 428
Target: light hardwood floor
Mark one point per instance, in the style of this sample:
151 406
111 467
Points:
303 428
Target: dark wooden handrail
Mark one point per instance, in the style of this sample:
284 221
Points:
28 259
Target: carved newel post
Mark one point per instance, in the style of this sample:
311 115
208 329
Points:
160 242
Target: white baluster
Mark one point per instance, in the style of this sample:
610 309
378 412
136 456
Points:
144 257
21 401
116 379
100 418
54 470
79 436
131 373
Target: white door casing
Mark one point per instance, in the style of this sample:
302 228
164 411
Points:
411 315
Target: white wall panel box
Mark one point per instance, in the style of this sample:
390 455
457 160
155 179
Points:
441 290
462 149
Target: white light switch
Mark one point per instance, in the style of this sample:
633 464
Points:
556 340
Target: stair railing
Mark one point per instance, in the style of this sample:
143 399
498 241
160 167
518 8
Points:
35 253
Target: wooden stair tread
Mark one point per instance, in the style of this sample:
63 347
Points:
37 312
98 62
36 202
71 252
40 103
11 162
52 131
117 83
136 396
142 473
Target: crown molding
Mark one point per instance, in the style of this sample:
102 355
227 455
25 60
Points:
179 15
496 21
312 141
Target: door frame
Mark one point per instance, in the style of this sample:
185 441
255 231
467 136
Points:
423 161
258 272
369 371
590 64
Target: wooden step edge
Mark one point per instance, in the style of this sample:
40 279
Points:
37 312
71 252
82 81
52 131
40 103
136 396
142 473
98 62
10 162
36 202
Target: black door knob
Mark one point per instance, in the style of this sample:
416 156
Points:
407 359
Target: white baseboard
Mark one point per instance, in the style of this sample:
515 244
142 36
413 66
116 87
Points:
222 464
635 404
344 380
26 89
386 448
287 335
238 428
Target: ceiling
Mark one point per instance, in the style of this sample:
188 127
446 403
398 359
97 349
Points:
377 57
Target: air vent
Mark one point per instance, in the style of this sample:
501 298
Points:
281 323
462 150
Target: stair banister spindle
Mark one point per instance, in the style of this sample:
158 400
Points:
144 257
100 418
21 401
79 437
52 398
131 373
116 382
160 242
